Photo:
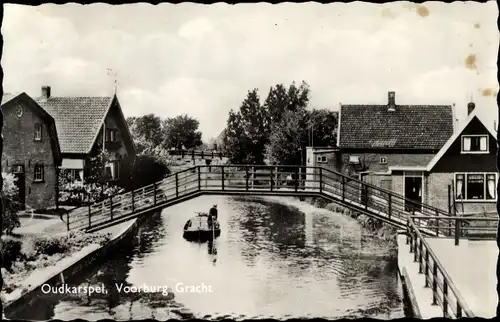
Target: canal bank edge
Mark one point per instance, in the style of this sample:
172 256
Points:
71 269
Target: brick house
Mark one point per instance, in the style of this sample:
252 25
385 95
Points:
80 123
31 151
388 145
467 162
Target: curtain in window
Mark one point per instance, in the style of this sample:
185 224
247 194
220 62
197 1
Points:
467 144
491 187
81 174
482 143
460 184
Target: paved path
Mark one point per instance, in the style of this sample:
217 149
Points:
472 267
423 295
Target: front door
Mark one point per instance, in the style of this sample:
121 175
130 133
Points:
413 193
20 182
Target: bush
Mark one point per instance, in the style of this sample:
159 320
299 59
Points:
10 206
11 251
147 170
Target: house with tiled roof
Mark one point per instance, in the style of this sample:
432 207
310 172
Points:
388 144
467 164
84 126
31 151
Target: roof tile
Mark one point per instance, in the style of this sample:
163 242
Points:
408 127
77 120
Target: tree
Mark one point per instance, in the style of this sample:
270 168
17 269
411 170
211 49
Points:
146 132
181 131
280 100
247 131
323 127
286 142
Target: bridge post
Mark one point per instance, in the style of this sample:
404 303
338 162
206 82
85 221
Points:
437 224
389 203
445 297
133 201
296 179
271 178
111 206
426 268
176 185
154 194
67 219
420 258
366 196
90 219
212 154
199 178
343 188
222 172
202 154
457 232
320 180
246 178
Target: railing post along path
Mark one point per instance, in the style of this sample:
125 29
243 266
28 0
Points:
296 179
457 231
67 219
176 185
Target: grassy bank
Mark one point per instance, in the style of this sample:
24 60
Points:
383 234
23 256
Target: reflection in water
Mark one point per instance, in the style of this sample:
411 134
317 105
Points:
271 260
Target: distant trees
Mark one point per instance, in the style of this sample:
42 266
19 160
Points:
151 134
181 131
279 129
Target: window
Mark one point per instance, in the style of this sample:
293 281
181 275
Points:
111 135
475 186
321 158
18 169
354 159
38 132
38 173
475 143
383 160
75 174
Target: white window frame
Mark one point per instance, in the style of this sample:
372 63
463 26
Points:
383 160
485 174
471 136
321 159
40 174
38 132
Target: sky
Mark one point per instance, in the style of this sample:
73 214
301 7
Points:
201 60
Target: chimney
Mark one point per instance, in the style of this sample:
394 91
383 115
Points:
45 92
392 102
470 108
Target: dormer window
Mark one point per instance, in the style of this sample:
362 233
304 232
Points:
111 135
38 132
475 143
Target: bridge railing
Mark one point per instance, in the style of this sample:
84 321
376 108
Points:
458 227
444 291
289 179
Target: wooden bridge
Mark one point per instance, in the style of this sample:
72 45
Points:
296 181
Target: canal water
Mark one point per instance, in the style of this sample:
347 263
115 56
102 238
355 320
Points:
274 259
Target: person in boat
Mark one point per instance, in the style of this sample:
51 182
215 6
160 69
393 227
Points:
212 215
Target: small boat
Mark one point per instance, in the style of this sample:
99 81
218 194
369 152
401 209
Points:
197 229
